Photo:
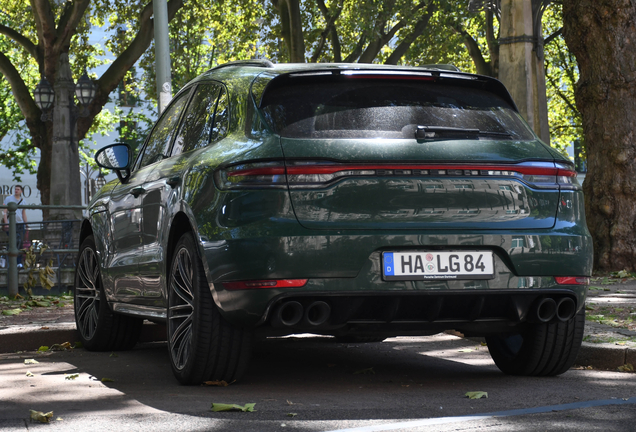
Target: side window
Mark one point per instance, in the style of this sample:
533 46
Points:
201 121
159 140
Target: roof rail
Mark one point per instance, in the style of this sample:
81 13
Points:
446 67
254 62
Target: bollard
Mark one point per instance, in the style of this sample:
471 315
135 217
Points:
12 275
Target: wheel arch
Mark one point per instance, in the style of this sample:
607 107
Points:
180 225
85 230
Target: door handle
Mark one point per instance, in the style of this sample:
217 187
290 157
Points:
138 191
174 181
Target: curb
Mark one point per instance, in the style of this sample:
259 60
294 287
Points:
605 357
30 338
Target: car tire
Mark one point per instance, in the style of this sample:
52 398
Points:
202 345
359 339
99 328
546 349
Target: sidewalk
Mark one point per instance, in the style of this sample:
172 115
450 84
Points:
609 341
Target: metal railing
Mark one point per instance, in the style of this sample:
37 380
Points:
66 247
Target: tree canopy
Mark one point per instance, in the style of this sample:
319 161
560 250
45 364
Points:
202 35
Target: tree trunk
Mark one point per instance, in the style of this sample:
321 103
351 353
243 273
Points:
601 35
292 29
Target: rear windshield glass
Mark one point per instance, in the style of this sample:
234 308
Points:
386 108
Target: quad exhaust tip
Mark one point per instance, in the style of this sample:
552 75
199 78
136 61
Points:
292 313
546 309
288 314
317 313
565 309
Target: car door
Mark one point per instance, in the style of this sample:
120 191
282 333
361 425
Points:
205 121
127 211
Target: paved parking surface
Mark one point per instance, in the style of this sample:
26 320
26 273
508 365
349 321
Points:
312 384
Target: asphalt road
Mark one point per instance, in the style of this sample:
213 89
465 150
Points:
313 384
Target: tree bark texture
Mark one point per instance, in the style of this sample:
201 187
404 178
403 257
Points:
292 28
602 36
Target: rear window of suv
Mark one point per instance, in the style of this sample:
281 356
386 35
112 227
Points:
385 108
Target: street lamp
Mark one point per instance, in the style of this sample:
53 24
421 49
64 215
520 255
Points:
85 90
44 97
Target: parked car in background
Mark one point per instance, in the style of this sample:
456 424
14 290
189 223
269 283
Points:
359 201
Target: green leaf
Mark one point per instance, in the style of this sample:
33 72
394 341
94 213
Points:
43 348
292 414
71 376
31 361
9 312
216 407
40 416
623 274
477 395
107 380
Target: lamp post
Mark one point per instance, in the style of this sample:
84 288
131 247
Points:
57 105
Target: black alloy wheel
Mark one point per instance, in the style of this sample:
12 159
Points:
99 328
203 346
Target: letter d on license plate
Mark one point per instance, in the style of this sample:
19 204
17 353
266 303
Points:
436 265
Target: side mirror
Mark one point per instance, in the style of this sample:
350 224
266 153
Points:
115 157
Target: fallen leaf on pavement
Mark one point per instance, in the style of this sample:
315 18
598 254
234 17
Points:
40 416
43 348
216 407
71 376
61 347
291 414
628 367
29 374
9 312
107 380
31 361
465 350
44 328
477 395
216 383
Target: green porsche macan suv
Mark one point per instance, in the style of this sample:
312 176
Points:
358 201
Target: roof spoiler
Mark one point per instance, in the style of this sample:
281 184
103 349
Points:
444 67
254 62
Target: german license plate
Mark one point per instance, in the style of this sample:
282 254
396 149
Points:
437 265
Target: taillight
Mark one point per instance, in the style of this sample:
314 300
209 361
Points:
572 280
268 283
319 174
258 175
540 175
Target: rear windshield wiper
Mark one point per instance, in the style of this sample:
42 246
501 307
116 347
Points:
434 132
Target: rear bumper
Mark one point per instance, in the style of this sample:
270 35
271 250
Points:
347 264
